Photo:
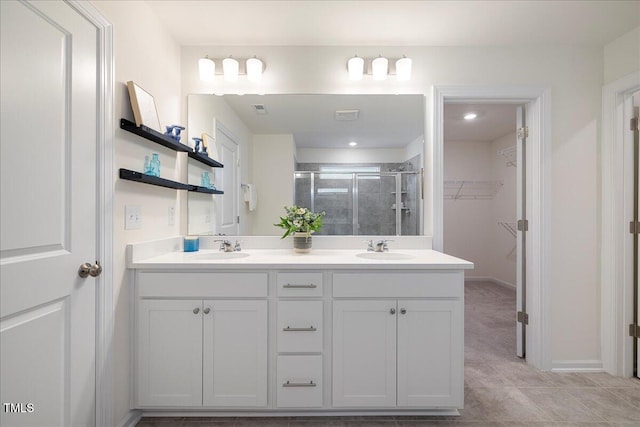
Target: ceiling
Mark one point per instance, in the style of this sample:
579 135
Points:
396 23
384 121
493 121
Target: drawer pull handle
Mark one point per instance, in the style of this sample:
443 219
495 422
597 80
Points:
290 384
290 286
290 329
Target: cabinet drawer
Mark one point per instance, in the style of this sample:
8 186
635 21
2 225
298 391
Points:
300 284
202 285
300 326
299 380
436 284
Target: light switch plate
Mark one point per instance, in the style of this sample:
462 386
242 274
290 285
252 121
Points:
132 217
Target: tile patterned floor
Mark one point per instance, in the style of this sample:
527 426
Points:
500 389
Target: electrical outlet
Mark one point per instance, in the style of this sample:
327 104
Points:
132 218
172 215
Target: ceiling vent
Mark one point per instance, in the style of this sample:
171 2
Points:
347 115
259 109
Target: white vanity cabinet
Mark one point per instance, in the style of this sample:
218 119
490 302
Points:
392 352
277 333
201 339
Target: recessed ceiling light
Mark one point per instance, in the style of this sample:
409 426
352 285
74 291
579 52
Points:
470 116
353 144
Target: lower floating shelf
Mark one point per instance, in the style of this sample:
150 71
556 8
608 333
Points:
153 180
198 189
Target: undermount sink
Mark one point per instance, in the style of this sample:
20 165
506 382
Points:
221 255
384 255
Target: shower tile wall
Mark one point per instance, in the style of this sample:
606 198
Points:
375 200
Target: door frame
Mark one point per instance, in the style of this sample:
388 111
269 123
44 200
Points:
616 276
539 190
105 134
218 126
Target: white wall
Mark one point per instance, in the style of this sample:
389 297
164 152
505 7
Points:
622 56
467 222
471 229
141 47
273 168
574 76
351 155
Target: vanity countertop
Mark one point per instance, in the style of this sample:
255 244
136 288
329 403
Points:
405 259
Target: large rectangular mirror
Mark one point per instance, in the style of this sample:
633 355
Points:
359 158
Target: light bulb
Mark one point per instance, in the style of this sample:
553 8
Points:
254 69
207 69
230 68
403 69
355 66
380 67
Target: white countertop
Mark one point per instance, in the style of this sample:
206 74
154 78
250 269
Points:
413 259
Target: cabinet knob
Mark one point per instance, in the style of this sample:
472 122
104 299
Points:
403 311
392 311
207 310
196 310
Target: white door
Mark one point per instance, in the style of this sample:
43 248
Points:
364 353
521 215
235 353
430 353
48 214
169 352
636 287
228 178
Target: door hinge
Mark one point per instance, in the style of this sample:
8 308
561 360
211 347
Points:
523 225
523 132
634 331
523 317
634 227
634 124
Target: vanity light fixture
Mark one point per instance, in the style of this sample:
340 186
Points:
231 68
353 144
379 68
470 116
207 69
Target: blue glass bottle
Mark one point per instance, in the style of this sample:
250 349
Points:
154 165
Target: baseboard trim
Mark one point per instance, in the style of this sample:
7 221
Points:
130 419
577 366
492 280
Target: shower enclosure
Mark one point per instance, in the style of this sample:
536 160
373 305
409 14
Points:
362 203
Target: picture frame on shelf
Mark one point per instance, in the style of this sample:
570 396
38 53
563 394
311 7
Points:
209 143
144 107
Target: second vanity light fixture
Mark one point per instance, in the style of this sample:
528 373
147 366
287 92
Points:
231 69
379 68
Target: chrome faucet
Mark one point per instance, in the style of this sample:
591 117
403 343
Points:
225 246
379 246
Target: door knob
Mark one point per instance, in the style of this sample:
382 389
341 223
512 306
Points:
392 311
207 310
196 310
87 269
403 311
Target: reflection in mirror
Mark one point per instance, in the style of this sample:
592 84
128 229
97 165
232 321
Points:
359 158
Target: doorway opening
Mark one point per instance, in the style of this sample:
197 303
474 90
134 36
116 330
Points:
483 176
535 158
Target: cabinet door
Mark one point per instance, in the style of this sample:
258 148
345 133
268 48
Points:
169 353
235 353
430 353
364 353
